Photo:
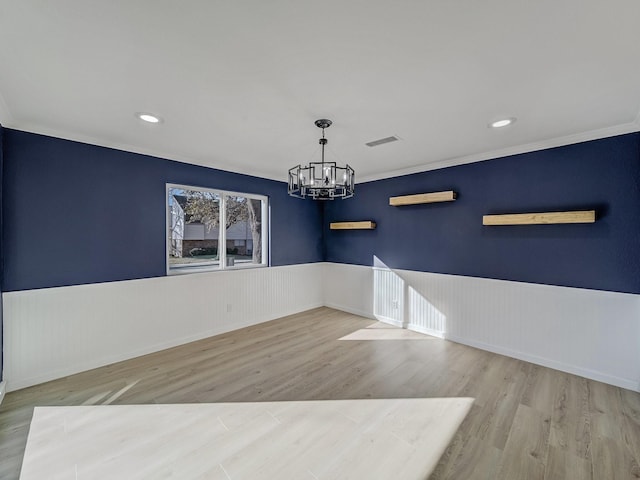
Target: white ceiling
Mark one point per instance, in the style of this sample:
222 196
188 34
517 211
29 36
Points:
240 83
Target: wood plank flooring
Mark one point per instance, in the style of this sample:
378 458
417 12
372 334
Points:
527 422
376 439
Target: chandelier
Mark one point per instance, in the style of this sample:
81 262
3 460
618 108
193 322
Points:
321 180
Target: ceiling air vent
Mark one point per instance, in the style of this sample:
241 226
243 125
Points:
375 143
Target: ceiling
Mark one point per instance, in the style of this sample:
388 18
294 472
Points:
239 84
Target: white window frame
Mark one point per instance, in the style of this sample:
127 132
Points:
222 239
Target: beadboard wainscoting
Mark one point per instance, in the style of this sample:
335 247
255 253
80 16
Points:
388 298
592 333
54 332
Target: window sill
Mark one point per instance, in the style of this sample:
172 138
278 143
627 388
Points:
212 268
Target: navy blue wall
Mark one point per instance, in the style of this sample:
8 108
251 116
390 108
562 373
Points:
77 213
1 243
450 238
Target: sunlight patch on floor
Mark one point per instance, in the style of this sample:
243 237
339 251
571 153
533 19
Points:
382 331
382 438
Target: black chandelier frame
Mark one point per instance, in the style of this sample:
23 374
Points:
321 180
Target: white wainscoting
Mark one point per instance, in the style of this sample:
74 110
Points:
55 332
590 333
388 300
51 333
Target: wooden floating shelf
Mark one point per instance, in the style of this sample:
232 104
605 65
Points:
446 196
367 225
585 216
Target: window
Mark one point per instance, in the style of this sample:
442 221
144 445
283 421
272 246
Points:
195 239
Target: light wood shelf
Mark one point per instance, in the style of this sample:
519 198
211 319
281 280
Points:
583 216
365 225
434 197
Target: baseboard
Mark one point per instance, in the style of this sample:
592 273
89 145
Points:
563 367
590 333
391 321
544 362
362 313
354 311
14 385
3 390
78 368
426 331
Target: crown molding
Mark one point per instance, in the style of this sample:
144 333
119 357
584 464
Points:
631 127
87 139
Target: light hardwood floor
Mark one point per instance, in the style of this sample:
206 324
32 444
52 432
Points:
527 422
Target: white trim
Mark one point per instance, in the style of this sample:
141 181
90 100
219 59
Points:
3 390
546 362
362 313
391 321
265 238
55 332
591 333
207 268
222 232
120 357
218 191
515 150
612 131
162 155
107 360
346 308
222 238
426 331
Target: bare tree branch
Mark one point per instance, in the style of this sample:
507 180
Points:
205 207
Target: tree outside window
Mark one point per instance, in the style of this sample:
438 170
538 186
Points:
195 239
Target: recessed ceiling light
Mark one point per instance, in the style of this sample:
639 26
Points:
148 117
502 122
